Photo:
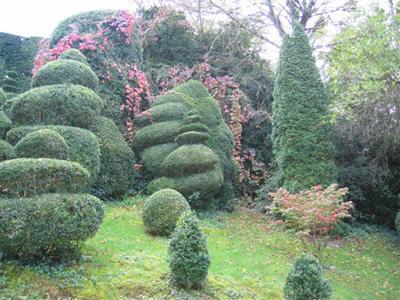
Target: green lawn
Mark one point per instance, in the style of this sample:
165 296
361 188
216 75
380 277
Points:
250 260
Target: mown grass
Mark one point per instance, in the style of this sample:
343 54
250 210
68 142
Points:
250 260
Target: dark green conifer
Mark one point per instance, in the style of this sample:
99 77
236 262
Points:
302 140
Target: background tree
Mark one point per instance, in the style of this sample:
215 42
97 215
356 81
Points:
302 140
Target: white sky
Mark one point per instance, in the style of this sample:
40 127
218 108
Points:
40 17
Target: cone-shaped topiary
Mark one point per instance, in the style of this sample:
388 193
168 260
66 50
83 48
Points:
188 254
44 143
302 140
162 210
305 281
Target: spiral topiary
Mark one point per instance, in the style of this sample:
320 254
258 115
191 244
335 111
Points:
162 210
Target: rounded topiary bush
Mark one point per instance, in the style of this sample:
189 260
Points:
74 54
117 161
163 113
162 210
49 225
59 104
83 145
29 176
306 281
63 71
188 255
44 143
5 125
6 151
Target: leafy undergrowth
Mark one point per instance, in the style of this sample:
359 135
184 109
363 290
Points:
250 260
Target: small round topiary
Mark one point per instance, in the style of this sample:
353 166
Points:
6 151
44 143
161 211
49 225
63 71
188 255
397 223
74 54
306 281
5 125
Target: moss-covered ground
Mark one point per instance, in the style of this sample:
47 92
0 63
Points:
250 260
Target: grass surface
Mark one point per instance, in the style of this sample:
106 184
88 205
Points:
249 260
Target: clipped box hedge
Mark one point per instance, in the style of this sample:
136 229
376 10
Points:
83 144
29 176
74 54
189 159
153 157
117 160
163 113
59 104
63 71
49 225
44 143
192 137
159 133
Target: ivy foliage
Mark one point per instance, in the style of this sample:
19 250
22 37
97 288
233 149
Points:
302 138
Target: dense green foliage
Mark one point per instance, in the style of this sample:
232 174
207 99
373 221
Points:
58 104
363 71
6 151
44 143
154 156
28 176
17 53
83 145
74 54
188 254
62 71
397 222
162 210
117 161
192 137
302 141
3 97
5 124
305 281
161 113
49 225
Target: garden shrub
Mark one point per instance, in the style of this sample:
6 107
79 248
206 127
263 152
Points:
83 145
59 104
153 157
305 281
301 135
74 54
397 222
6 151
44 143
5 125
199 127
162 210
29 176
10 81
63 71
188 254
189 159
159 184
155 134
49 225
117 160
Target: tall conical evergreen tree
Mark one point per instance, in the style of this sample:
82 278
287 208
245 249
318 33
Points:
302 139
